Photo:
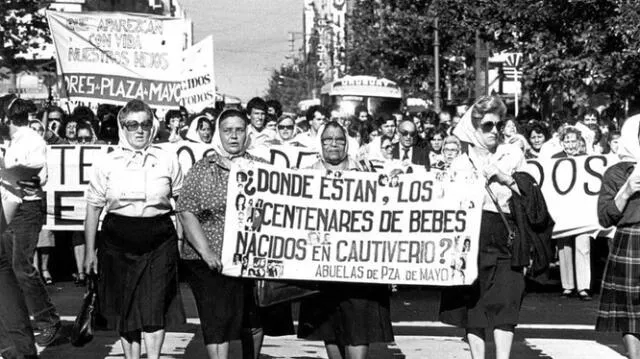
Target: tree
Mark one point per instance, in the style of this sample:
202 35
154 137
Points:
296 81
23 27
572 48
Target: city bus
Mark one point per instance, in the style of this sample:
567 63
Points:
377 95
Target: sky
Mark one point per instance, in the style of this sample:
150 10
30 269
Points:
251 38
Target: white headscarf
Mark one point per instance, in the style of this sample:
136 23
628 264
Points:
629 146
192 133
122 135
348 162
465 131
216 142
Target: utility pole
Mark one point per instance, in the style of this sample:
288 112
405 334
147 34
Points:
292 40
436 64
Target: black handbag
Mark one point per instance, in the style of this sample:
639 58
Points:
271 292
84 326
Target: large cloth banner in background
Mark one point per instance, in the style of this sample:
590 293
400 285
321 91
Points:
116 57
351 226
570 187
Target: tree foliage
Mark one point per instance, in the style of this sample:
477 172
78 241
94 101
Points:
572 48
23 27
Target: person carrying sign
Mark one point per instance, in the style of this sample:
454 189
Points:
618 204
346 316
138 249
493 301
226 306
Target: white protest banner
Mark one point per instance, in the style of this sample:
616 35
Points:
570 187
69 167
198 83
286 156
111 57
351 226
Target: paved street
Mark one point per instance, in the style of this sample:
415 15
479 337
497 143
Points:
552 327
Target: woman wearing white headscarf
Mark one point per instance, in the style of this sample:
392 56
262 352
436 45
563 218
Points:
493 301
200 130
137 250
618 205
346 316
225 304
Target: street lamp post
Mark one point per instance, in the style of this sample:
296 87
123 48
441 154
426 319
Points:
436 64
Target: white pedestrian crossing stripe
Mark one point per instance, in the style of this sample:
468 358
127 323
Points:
573 349
190 345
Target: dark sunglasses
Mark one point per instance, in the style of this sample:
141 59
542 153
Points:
488 126
408 133
285 127
84 139
133 125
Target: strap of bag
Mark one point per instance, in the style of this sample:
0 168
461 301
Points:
494 199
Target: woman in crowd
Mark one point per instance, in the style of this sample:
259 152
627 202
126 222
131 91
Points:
225 304
347 317
285 132
537 135
510 133
614 142
69 130
570 138
138 250
200 130
451 148
386 147
435 146
493 301
618 204
172 122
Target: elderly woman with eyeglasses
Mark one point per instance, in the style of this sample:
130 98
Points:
138 245
346 316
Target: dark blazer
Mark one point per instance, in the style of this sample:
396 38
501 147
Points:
420 155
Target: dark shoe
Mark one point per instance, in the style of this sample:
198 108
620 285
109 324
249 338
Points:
48 335
567 293
584 295
81 280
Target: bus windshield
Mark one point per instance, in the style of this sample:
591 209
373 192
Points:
347 94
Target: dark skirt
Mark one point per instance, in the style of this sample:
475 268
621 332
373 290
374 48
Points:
494 298
138 286
226 306
620 300
347 314
219 299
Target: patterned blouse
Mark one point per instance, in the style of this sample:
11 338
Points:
205 195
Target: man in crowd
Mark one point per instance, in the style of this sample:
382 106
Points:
316 117
257 112
25 157
408 149
386 124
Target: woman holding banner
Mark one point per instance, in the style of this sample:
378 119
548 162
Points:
346 316
618 205
226 305
493 301
138 247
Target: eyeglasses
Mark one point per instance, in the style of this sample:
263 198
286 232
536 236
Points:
387 147
133 125
84 139
285 127
340 141
489 125
407 133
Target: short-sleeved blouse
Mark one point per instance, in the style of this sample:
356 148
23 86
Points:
139 184
205 195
